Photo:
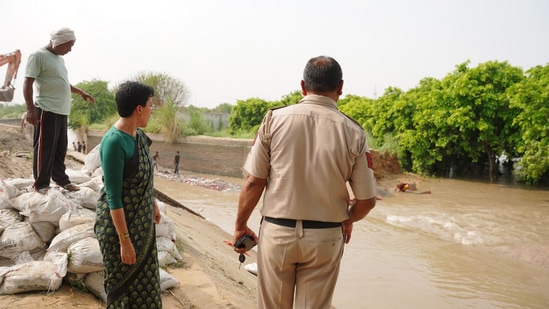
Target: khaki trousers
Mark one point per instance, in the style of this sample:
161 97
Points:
297 265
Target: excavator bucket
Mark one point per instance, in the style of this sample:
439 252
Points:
13 60
6 94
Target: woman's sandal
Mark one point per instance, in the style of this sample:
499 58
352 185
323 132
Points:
71 188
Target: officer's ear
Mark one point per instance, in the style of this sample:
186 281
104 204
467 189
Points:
340 88
303 90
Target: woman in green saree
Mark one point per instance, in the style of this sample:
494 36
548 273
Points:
126 210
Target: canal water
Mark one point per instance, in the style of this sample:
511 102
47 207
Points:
466 245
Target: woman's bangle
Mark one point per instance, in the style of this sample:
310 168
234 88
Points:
124 236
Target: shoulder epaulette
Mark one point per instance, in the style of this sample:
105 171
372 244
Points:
266 134
358 124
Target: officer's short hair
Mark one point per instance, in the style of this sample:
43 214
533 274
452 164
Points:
322 74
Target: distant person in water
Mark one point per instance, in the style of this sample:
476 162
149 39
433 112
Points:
409 187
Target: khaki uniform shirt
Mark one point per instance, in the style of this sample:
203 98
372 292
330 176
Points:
307 152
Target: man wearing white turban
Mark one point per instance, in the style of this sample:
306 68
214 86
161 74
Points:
48 110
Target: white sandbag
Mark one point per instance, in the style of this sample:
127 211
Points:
75 280
165 244
23 257
71 235
85 256
77 176
22 201
92 161
165 259
4 261
20 183
96 183
17 238
94 284
31 276
7 192
165 228
161 206
3 271
85 197
98 173
38 253
9 216
44 230
167 281
76 216
49 207
60 259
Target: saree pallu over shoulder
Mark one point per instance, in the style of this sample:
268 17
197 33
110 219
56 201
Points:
138 285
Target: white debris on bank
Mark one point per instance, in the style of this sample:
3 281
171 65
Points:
204 182
45 238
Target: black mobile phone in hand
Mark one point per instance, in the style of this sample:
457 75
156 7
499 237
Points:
245 242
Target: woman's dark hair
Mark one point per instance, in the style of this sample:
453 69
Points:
129 95
322 74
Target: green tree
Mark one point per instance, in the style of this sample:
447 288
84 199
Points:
10 111
419 122
247 115
166 88
531 96
358 108
383 110
224 108
84 113
481 111
167 120
290 99
198 123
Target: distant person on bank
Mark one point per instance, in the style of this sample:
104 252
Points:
302 157
176 163
156 157
126 211
48 109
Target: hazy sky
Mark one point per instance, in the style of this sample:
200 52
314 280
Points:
228 50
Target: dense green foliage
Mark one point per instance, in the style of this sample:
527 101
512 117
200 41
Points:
467 120
531 98
247 115
11 111
166 88
83 113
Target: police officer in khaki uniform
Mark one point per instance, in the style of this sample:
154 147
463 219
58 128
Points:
303 156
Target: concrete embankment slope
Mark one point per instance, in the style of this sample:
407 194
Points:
225 156
199 154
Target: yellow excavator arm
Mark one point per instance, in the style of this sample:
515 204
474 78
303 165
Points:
13 60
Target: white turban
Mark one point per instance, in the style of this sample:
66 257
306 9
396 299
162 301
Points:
61 36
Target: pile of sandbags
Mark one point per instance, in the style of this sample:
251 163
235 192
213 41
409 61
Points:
47 237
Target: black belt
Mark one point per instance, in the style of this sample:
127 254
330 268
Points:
307 224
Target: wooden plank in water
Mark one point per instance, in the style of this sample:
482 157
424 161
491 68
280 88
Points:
168 200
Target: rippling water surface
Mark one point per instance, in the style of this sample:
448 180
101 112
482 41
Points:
466 245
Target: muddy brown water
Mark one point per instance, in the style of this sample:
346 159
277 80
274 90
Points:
466 245
469 244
